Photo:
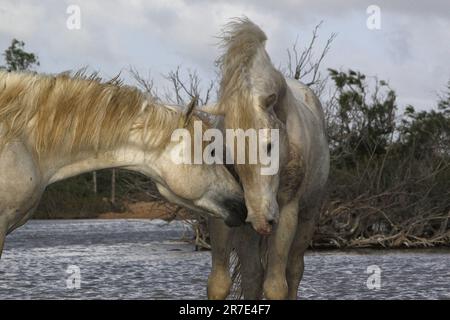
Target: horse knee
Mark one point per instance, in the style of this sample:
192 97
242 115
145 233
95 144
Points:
219 284
276 288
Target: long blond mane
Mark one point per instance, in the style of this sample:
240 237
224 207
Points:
241 41
74 113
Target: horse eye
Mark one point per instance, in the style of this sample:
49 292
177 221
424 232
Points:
213 152
269 148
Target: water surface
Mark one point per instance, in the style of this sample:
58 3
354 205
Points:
142 259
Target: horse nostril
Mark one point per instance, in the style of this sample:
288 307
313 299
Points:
271 222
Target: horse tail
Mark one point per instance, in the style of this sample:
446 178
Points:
236 292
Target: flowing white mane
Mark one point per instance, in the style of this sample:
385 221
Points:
67 114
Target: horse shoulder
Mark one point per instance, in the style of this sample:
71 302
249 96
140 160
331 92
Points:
20 173
292 173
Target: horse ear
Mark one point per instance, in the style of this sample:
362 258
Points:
184 120
270 100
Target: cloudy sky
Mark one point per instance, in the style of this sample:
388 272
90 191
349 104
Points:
411 50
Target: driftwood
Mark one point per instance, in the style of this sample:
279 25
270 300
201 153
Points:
371 227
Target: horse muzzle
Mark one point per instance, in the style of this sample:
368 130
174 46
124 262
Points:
236 212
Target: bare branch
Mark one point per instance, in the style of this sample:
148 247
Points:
145 83
305 65
184 89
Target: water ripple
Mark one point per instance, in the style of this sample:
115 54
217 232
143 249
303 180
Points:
141 259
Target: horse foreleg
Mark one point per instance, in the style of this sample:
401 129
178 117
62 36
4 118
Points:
296 266
219 280
13 219
275 284
251 269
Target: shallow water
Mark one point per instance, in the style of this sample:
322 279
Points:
142 259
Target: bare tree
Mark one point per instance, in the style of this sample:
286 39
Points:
305 64
185 87
145 83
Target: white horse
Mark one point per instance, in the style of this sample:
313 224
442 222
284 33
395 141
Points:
56 127
253 94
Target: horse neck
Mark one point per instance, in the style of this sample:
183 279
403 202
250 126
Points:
130 156
285 107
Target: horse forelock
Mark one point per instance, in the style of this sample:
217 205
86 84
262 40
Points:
240 41
247 72
67 114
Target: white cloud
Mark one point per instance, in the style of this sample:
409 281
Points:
411 50
19 18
